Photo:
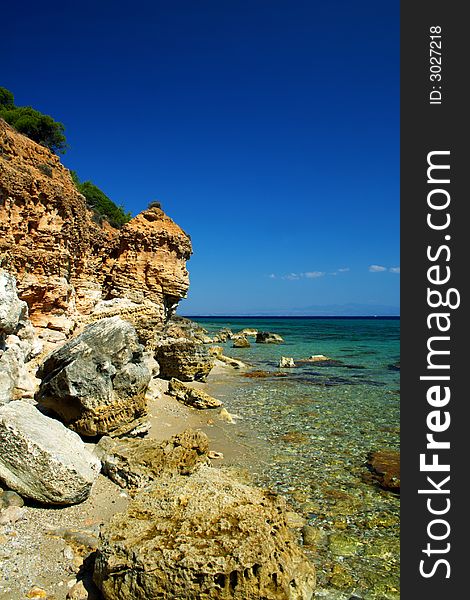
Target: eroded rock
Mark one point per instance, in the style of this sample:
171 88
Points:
183 359
241 342
96 382
191 396
66 258
41 459
286 362
260 374
136 464
266 337
231 362
10 498
248 331
204 536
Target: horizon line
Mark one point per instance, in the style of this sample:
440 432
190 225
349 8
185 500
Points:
222 316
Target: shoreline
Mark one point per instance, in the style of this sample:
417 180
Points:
247 456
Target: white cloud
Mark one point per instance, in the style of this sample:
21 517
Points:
272 276
394 269
306 275
377 268
345 270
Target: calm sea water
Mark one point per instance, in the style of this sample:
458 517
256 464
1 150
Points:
316 427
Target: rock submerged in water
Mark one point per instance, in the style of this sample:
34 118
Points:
204 536
191 396
384 467
261 374
183 359
266 337
43 460
96 382
136 464
315 358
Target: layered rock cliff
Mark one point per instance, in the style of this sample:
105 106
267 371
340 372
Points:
65 261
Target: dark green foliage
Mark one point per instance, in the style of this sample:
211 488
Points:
49 133
75 179
7 99
30 122
102 206
155 204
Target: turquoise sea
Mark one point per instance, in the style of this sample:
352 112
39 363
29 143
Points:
313 430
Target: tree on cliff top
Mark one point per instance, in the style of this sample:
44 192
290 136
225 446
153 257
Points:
49 133
33 124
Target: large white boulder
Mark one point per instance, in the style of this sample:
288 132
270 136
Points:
41 459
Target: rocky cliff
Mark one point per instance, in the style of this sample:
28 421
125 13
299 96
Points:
66 262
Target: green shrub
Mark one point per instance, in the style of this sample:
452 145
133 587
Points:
7 99
100 204
49 133
30 122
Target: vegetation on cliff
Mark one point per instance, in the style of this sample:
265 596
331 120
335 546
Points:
32 123
101 205
49 133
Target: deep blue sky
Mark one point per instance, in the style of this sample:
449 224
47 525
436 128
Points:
268 129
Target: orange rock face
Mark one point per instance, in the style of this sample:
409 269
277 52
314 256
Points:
63 259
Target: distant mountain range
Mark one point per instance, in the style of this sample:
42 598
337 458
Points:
315 310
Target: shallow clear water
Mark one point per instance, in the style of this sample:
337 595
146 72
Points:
316 427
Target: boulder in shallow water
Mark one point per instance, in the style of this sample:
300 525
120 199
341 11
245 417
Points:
224 334
137 463
184 359
191 396
203 536
266 337
315 358
249 331
286 362
96 382
241 342
41 459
